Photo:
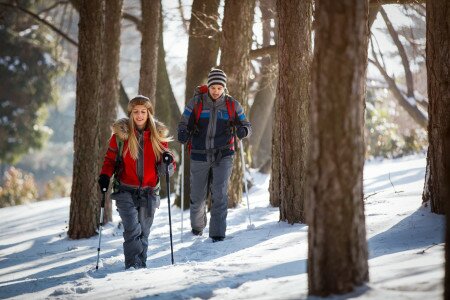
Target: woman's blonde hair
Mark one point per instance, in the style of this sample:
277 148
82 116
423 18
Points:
157 135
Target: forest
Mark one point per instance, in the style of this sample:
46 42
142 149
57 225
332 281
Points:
328 86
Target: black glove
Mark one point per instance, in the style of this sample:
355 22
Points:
103 182
183 136
241 132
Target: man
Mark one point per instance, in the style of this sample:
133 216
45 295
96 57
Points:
210 122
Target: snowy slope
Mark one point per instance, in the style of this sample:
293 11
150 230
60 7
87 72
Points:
405 243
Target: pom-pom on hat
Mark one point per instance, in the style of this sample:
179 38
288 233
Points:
217 76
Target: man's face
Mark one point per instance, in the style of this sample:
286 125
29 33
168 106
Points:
216 90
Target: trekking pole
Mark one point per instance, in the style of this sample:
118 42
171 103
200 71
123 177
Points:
250 226
168 159
182 190
101 226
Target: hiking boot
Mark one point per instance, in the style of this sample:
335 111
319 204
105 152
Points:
197 232
217 238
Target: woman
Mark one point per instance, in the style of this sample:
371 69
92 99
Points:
210 121
136 189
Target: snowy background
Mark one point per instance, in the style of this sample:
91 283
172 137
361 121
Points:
406 250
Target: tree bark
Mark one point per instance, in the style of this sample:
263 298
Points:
151 13
337 253
235 61
203 43
84 195
294 45
166 110
262 108
275 177
202 56
109 100
438 73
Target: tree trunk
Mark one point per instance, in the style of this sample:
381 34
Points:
337 253
294 46
262 108
109 100
202 56
235 62
84 195
203 43
275 177
438 72
151 12
166 109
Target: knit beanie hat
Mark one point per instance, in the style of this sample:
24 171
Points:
217 76
140 100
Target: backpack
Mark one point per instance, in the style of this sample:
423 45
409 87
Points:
197 111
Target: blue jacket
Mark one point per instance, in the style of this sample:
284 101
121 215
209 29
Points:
212 136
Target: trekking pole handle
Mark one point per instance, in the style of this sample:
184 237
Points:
103 198
167 158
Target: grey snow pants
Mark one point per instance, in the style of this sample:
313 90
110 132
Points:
136 224
221 172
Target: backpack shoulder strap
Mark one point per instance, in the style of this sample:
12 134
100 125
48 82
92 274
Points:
119 143
198 107
117 165
231 108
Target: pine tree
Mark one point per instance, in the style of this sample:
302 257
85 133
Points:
235 61
337 246
28 69
151 14
437 60
203 49
84 196
294 43
110 98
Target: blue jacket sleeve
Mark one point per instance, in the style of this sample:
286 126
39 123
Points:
242 119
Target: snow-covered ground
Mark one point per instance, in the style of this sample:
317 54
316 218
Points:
406 244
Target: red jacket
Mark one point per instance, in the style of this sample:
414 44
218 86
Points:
129 174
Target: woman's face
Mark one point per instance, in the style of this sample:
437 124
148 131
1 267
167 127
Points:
140 116
215 90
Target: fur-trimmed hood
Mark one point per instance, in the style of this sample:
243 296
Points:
120 129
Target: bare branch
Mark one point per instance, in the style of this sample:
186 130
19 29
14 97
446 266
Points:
137 22
373 12
45 10
202 18
401 52
75 3
409 104
183 19
419 9
41 20
270 50
384 2
379 50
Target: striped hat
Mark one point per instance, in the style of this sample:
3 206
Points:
217 76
